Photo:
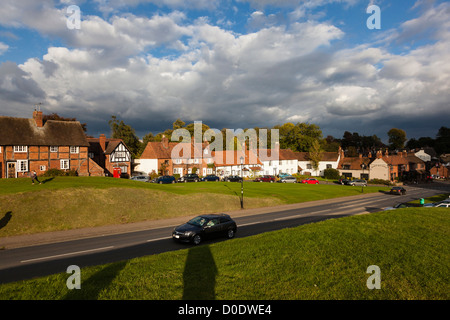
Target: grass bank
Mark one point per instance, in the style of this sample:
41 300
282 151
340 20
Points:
64 203
324 260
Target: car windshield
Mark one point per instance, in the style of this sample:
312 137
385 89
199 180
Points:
198 221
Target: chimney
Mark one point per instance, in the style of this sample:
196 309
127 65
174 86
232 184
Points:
379 154
165 142
102 141
38 118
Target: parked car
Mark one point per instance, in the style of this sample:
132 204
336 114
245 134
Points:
164 179
191 177
266 178
288 179
140 178
282 175
398 190
401 205
441 204
205 226
358 182
310 181
232 179
344 181
211 177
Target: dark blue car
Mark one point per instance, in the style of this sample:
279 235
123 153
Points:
165 179
211 177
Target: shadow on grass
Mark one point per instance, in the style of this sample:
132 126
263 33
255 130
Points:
199 276
48 180
4 221
95 284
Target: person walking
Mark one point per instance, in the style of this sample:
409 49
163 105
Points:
34 177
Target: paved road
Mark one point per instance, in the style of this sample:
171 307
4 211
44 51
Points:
39 260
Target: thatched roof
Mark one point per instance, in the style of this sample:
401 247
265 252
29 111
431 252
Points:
24 132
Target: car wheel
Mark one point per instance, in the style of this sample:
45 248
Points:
173 181
230 234
197 239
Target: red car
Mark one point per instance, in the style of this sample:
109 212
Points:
265 178
310 181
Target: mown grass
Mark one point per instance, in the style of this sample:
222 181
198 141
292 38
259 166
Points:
64 203
324 260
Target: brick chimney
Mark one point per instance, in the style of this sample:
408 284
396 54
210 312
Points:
38 118
102 141
165 142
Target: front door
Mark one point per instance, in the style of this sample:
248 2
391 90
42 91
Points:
11 170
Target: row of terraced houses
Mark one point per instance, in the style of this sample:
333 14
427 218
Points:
36 145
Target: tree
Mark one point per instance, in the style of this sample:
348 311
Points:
397 138
120 130
315 155
442 144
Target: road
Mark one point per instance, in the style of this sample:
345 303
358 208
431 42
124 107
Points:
40 260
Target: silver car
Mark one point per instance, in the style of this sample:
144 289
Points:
358 182
288 179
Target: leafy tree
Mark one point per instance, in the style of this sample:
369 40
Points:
315 154
120 130
442 144
397 138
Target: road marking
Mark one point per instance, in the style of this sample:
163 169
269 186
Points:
251 223
151 240
66 254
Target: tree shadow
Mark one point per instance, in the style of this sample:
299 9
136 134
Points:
199 276
4 221
93 286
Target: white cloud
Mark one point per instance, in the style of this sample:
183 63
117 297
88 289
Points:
269 76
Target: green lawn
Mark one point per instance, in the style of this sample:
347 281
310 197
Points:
324 260
64 203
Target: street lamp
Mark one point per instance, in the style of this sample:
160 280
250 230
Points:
363 166
242 183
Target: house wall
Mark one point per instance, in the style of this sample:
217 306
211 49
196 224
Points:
40 159
379 170
146 165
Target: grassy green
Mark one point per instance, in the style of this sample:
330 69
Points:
64 203
324 260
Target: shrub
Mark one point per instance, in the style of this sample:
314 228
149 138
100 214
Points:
331 174
380 181
61 173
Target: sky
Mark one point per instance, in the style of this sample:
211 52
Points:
230 64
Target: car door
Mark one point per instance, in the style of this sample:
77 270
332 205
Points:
212 228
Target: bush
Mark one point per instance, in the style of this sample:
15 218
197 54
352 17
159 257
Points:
380 181
331 174
61 173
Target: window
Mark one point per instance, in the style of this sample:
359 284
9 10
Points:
64 164
20 148
120 154
177 161
308 166
22 165
346 167
53 148
0 149
74 149
91 155
329 166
